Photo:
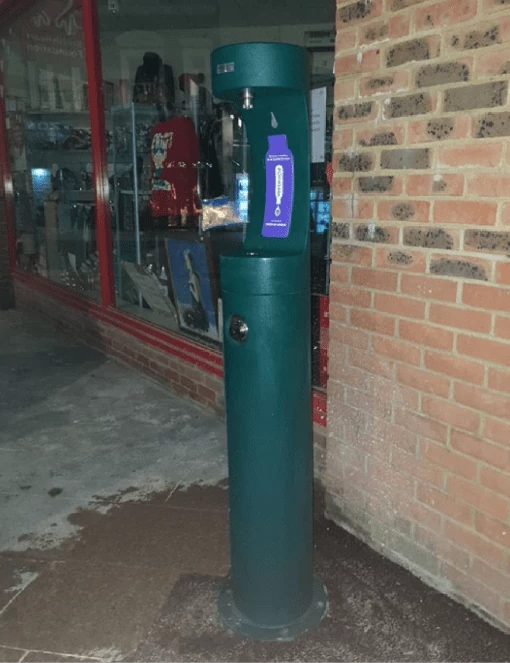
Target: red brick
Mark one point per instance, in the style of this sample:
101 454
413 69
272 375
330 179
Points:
418 130
435 185
502 327
382 324
414 467
370 60
421 425
383 431
389 210
455 367
451 414
338 273
444 13
497 431
425 516
496 481
442 548
345 90
383 473
480 399
404 396
350 375
342 140
497 581
505 214
206 395
345 39
214 383
371 363
486 154
466 585
489 185
374 278
469 540
494 530
342 185
479 498
503 273
346 294
465 212
348 209
445 504
336 360
433 337
361 400
337 313
461 318
492 63
481 449
395 258
499 380
348 336
398 26
482 348
423 380
486 296
360 255
347 65
402 306
450 461
429 287
397 350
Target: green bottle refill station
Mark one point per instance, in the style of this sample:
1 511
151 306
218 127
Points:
271 593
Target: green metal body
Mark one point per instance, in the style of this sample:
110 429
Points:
271 593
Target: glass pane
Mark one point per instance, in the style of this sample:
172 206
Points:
45 87
180 161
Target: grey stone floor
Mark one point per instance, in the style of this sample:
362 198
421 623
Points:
113 531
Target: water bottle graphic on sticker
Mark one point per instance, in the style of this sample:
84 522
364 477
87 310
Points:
279 188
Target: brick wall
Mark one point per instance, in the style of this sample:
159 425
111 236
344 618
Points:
418 457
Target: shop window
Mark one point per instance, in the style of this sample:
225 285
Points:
180 161
48 128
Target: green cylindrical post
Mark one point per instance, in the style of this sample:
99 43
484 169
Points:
271 593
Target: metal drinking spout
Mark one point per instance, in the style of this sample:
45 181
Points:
247 97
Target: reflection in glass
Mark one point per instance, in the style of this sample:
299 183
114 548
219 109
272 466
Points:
180 160
50 147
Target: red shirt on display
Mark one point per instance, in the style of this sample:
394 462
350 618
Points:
175 154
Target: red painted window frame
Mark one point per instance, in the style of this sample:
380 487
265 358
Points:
179 346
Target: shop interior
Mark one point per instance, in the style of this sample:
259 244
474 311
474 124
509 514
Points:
178 159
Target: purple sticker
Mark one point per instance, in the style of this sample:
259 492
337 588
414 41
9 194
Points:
279 188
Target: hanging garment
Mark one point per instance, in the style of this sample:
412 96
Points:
154 82
211 181
175 154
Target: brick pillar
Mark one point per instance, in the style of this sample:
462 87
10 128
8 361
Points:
418 456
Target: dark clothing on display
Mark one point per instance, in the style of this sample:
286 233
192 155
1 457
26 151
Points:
175 154
211 181
154 82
